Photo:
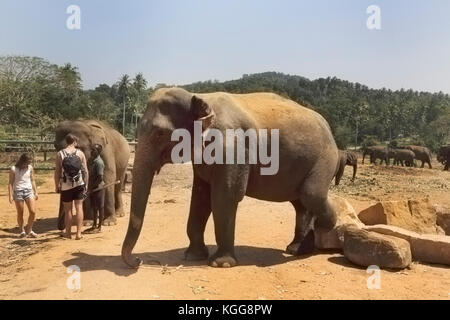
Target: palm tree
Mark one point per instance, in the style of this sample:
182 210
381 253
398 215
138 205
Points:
124 94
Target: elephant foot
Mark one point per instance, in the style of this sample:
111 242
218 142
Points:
222 261
304 247
110 221
119 212
196 253
88 223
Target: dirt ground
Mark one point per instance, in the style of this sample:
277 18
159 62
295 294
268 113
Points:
37 268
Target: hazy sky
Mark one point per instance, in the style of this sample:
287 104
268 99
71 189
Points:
181 41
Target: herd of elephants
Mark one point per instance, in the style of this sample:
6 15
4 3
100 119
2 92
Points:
401 156
308 161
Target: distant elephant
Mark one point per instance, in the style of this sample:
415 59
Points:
391 155
346 158
404 157
376 152
421 153
307 161
443 156
367 151
115 155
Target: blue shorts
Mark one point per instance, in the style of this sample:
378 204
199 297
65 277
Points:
23 194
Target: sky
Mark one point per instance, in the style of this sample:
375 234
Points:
182 41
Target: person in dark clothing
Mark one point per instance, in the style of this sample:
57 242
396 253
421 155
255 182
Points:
97 192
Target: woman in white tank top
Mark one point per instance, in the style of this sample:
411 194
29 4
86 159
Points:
22 189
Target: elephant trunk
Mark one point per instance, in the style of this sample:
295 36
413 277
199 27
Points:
143 173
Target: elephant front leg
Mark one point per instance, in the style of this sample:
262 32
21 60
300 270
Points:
227 190
224 214
303 241
199 212
61 216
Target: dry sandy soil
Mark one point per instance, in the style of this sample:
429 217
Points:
37 268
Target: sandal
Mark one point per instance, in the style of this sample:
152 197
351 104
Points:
32 234
22 234
79 238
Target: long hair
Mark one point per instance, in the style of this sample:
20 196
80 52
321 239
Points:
23 161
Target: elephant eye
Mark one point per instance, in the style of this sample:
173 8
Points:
159 133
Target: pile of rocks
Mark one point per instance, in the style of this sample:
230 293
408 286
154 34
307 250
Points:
390 234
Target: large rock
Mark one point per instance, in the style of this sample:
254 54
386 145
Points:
346 217
367 248
425 248
443 218
414 215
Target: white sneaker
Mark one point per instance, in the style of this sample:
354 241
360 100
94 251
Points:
32 234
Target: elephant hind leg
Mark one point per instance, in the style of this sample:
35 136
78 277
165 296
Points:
118 203
313 212
303 241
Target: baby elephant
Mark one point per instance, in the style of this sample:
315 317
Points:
346 158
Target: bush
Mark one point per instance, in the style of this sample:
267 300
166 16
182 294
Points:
369 141
343 136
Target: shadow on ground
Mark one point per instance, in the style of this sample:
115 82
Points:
40 226
247 256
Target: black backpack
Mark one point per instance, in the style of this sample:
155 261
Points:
71 165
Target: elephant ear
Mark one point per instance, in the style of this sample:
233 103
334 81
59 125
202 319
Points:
201 111
98 135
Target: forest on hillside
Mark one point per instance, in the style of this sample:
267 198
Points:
35 95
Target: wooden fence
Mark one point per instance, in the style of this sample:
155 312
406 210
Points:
34 147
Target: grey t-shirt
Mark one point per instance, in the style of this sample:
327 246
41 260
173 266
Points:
98 169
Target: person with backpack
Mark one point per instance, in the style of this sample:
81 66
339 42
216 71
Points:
22 189
71 180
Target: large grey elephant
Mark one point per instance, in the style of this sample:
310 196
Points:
421 153
307 162
115 155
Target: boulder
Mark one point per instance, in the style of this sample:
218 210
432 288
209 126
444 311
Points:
414 215
346 217
367 248
443 218
424 247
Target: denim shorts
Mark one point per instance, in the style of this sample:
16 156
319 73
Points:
23 194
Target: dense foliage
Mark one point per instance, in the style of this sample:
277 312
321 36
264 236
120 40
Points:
36 94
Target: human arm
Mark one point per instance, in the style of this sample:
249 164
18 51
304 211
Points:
33 183
11 185
84 170
57 175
